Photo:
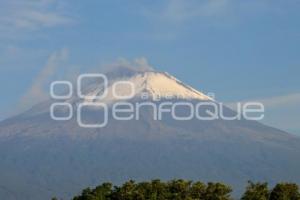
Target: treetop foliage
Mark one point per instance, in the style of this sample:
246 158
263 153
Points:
187 190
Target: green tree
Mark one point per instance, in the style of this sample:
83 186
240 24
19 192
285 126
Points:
143 191
217 191
179 189
285 191
103 191
128 191
158 190
197 191
256 191
86 194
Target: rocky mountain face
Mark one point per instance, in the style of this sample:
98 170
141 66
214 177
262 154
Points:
41 157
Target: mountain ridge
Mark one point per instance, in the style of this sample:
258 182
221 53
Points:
59 158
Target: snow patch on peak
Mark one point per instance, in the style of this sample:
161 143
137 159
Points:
149 85
167 86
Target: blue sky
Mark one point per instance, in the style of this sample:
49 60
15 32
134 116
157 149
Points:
240 50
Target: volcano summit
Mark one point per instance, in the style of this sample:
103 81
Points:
41 157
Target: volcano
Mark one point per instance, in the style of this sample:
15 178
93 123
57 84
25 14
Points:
41 157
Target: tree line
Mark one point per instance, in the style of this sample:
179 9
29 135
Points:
187 190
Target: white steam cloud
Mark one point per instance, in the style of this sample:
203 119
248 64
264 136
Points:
37 92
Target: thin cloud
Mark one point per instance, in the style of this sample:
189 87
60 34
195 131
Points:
169 17
140 64
28 16
179 11
37 92
288 100
280 111
32 19
285 100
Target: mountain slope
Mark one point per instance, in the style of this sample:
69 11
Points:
40 157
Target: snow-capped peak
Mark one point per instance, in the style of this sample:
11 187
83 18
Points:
145 85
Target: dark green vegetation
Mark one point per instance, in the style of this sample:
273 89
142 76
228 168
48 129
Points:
187 190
